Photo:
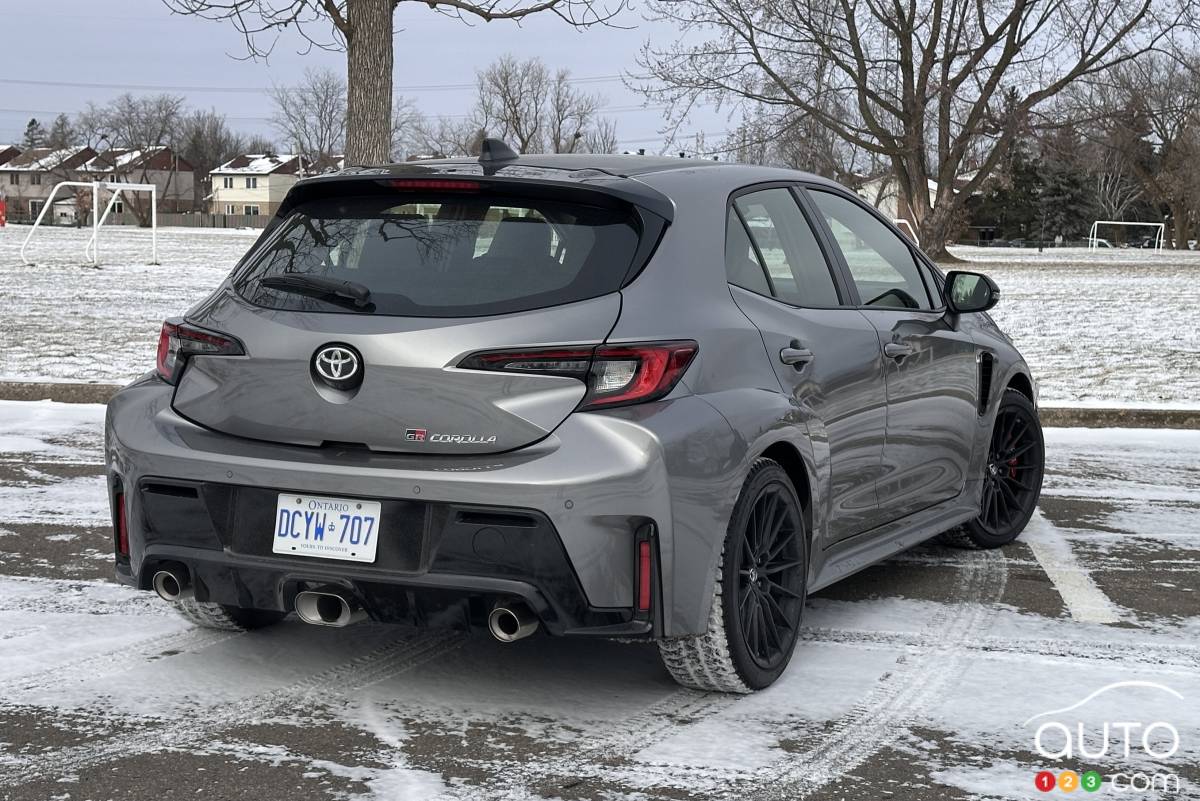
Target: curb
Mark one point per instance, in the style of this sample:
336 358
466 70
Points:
1052 416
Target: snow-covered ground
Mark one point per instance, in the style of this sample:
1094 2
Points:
1106 326
924 678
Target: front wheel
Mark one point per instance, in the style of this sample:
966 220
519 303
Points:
1012 476
758 592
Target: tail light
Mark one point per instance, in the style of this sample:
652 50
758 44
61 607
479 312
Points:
615 375
178 341
122 525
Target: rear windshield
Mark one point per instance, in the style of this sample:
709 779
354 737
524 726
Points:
445 256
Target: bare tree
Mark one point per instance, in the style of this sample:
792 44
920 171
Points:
443 137
144 124
601 137
535 110
938 88
310 117
363 28
206 142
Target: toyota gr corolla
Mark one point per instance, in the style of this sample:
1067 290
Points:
601 396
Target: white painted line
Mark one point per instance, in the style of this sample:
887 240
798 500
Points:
1084 599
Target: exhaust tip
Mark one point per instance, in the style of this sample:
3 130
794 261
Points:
512 622
171 585
326 608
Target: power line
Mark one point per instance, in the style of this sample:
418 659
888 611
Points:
258 90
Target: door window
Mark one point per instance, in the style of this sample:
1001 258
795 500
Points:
881 264
782 236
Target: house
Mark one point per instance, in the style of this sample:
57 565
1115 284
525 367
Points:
254 184
29 177
168 171
8 153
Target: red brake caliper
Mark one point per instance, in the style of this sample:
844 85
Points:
1012 468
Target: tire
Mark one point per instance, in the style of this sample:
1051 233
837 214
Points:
225 618
1012 479
743 650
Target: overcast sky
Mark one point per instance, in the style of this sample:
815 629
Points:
138 46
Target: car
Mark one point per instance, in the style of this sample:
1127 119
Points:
597 396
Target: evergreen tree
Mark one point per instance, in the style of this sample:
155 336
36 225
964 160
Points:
1067 202
62 134
35 135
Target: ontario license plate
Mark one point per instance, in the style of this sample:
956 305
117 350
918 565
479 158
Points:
331 528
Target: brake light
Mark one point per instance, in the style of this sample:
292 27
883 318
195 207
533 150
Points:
122 525
433 184
178 341
616 375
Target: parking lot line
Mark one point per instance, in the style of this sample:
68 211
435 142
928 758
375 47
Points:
1083 598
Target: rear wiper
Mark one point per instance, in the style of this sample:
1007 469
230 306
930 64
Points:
326 288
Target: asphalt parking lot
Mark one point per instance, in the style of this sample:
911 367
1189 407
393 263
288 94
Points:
926 677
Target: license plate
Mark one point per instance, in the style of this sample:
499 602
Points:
331 528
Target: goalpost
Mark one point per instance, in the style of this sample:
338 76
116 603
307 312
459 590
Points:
1159 237
91 251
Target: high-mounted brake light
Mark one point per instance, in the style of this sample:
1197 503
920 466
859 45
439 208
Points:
616 375
178 341
433 184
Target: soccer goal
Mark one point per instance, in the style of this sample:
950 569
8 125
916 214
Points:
91 250
1160 232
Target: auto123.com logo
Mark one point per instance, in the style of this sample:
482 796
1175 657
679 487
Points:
1080 736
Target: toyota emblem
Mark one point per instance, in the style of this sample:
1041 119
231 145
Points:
339 366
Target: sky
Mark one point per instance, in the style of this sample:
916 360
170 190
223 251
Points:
59 54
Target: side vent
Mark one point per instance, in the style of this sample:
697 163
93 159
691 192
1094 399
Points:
987 363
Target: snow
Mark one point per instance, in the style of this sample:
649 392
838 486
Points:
256 164
1102 326
947 684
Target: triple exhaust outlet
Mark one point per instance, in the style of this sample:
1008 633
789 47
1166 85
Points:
328 608
512 622
171 584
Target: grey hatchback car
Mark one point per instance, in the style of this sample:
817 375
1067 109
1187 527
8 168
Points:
603 396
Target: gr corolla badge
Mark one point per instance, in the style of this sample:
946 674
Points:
579 395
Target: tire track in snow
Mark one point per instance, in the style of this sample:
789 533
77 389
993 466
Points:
900 694
362 671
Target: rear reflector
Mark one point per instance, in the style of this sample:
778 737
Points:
616 375
644 567
122 525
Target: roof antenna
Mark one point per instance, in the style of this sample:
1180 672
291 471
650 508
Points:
493 153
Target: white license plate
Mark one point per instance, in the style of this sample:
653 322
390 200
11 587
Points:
331 528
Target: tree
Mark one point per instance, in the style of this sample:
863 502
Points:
939 88
311 116
35 135
363 28
62 134
144 124
206 142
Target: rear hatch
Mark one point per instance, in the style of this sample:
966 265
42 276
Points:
356 309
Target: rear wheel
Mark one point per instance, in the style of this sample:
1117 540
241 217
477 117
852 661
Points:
758 595
1012 476
209 615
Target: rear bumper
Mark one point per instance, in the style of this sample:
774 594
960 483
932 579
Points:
591 489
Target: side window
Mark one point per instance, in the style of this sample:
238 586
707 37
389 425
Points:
742 267
798 272
881 265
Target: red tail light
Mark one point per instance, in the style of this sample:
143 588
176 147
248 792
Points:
644 562
122 526
616 375
178 340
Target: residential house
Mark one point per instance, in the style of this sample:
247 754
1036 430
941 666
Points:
168 171
29 177
8 153
254 184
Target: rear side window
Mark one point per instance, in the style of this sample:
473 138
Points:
795 264
881 264
742 267
442 256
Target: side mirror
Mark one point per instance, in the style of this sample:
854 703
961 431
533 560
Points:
970 292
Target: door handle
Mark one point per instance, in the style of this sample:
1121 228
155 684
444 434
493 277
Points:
897 350
796 355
